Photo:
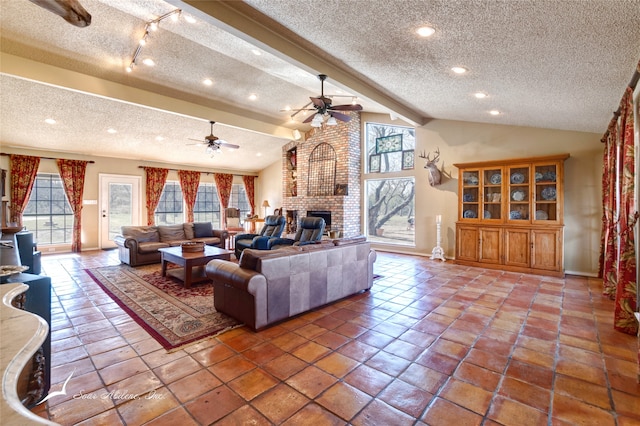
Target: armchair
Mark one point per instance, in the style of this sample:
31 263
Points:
273 227
309 232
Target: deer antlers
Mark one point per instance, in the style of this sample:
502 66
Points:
435 158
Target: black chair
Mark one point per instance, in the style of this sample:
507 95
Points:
272 228
29 254
309 231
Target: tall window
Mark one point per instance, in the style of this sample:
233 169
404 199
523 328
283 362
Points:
48 213
239 199
390 202
207 207
170 207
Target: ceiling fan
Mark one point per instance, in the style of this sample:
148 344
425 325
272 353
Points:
213 143
324 109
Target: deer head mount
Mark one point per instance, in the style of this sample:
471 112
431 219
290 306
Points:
431 164
70 10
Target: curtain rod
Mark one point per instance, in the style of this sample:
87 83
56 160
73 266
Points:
177 170
46 158
632 85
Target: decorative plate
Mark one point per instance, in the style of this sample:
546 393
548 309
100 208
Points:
549 176
517 178
467 198
7 270
496 179
539 176
514 215
541 215
473 180
487 214
549 193
469 214
518 195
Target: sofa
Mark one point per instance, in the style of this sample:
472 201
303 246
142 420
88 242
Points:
138 245
266 287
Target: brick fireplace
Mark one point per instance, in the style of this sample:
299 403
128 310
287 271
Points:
322 173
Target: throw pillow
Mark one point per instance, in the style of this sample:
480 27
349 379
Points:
202 229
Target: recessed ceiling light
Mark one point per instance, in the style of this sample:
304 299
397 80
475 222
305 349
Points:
50 121
459 70
253 97
480 95
256 52
287 108
111 130
149 62
258 154
190 19
425 31
159 138
207 82
494 112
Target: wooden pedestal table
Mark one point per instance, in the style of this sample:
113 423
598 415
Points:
192 263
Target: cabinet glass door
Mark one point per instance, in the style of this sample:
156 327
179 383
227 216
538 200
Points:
492 194
519 200
470 194
546 197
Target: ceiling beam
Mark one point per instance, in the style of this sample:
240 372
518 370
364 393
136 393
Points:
245 22
60 77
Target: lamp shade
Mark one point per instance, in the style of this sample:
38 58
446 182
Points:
265 203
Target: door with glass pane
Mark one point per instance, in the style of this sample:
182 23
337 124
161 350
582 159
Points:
119 205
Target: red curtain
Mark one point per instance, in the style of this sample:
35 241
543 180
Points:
608 252
626 289
23 175
224 183
249 188
72 174
156 178
189 182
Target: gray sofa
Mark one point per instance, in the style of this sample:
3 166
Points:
138 245
270 286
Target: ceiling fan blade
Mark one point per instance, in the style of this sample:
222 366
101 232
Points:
348 107
197 144
197 140
309 118
228 145
339 116
318 102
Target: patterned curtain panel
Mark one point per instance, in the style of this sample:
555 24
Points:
249 188
189 182
626 289
23 175
608 253
223 185
72 174
156 178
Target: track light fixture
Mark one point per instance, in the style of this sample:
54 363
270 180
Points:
151 26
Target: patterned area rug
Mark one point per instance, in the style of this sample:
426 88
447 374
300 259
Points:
171 314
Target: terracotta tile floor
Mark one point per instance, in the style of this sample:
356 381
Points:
431 343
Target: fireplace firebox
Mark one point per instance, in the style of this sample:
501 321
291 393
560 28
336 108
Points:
325 214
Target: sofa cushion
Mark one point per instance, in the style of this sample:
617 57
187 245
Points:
150 247
171 232
211 241
188 230
250 257
202 229
142 234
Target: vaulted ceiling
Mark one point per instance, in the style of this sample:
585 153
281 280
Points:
559 64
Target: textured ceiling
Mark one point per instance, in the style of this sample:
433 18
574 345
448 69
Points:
559 64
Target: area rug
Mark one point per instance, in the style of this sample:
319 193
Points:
171 314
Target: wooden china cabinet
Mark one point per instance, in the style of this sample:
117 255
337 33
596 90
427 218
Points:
510 214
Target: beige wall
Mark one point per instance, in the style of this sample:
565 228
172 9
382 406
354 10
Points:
459 142
106 165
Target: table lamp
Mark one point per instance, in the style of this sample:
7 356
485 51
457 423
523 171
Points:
265 204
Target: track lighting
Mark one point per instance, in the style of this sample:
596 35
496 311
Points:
151 26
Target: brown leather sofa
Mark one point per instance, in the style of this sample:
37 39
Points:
270 286
138 245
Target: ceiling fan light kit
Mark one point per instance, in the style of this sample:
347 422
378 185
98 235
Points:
213 143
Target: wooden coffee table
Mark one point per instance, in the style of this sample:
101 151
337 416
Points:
192 263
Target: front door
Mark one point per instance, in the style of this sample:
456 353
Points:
119 205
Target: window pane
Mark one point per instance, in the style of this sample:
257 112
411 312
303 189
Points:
207 206
169 210
239 199
48 213
390 207
385 145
